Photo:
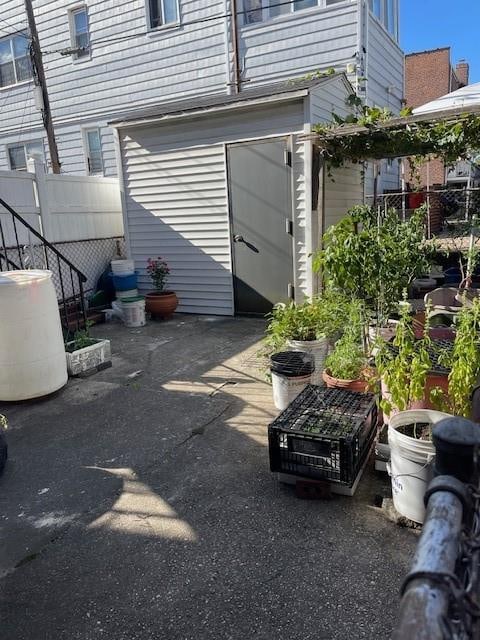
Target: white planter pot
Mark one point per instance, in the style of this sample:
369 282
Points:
319 350
88 358
410 466
286 389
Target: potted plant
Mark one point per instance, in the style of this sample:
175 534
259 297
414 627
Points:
463 362
405 365
347 366
160 303
373 257
86 355
307 327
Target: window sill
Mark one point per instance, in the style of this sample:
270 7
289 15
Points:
16 84
82 60
157 31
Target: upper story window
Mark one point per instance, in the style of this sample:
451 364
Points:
79 32
15 64
260 10
162 12
18 154
387 12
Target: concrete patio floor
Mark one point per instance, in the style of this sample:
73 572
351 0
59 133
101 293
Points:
138 503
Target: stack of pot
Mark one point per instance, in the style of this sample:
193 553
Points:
129 305
124 279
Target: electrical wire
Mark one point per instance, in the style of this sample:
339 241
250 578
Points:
16 31
220 16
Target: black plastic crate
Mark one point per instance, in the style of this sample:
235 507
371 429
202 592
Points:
324 434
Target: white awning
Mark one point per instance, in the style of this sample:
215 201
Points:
465 97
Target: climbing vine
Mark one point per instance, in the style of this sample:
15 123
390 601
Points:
449 140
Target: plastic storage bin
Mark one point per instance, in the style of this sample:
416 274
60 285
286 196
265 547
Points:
324 434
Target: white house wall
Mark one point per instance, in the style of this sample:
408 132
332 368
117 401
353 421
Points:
161 66
299 42
344 188
176 198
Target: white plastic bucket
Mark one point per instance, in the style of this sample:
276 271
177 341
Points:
286 389
410 465
319 351
134 312
123 267
131 293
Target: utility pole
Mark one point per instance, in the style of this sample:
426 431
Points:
40 80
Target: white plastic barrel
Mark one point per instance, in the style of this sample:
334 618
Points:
318 349
134 312
410 466
123 267
32 351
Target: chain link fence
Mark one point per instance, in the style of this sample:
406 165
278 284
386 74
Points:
447 209
91 257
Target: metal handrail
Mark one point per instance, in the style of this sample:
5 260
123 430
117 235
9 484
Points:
65 301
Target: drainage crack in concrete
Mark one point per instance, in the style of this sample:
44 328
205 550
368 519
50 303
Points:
200 430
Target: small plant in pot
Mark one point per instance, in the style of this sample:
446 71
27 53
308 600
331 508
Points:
347 366
86 355
308 327
160 303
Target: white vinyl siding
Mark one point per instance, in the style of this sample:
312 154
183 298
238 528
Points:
298 43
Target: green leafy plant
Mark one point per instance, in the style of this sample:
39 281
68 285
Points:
323 317
3 422
158 270
374 257
403 369
81 339
348 360
463 361
381 138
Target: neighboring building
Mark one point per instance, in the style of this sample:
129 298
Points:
136 53
428 76
209 125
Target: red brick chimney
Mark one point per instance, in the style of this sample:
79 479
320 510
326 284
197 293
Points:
462 72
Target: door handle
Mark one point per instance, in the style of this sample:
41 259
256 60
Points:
238 238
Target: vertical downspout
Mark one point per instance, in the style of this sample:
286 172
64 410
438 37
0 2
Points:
236 64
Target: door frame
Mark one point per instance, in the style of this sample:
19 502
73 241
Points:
288 138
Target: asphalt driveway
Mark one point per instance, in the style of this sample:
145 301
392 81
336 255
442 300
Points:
138 503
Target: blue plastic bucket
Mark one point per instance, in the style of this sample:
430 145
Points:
125 283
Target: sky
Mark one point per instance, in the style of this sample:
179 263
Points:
430 24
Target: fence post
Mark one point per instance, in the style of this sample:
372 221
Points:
37 167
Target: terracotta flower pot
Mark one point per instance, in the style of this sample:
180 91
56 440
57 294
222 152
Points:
350 385
161 304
